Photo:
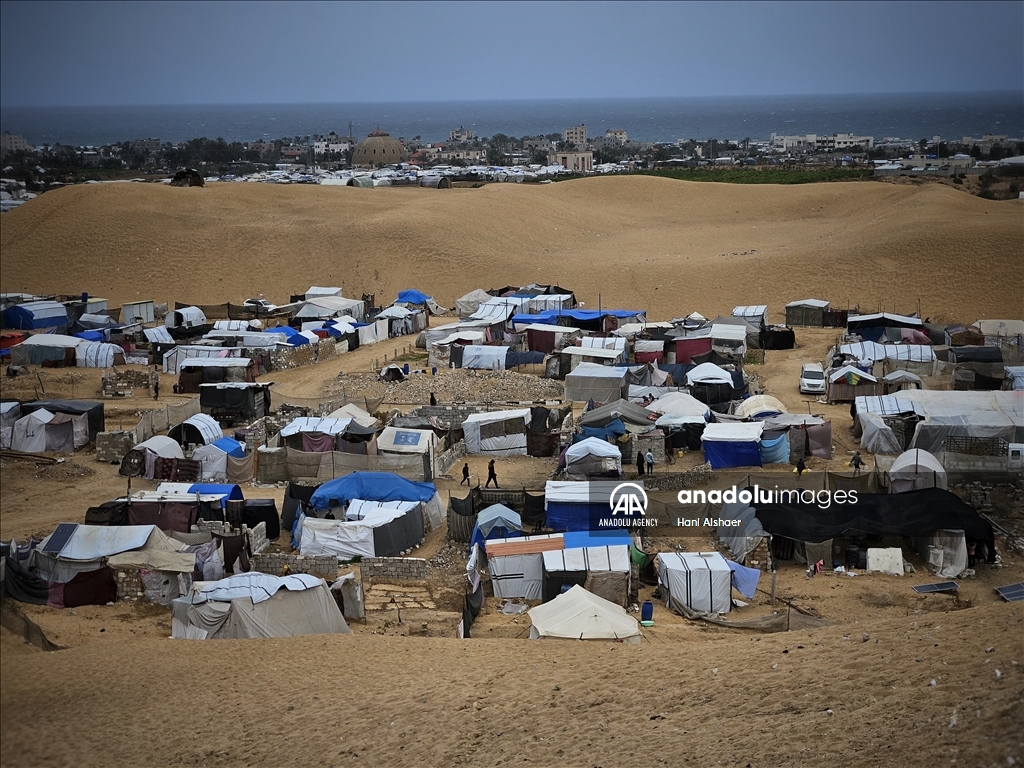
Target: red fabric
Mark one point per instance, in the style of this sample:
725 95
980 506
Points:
687 348
650 357
91 588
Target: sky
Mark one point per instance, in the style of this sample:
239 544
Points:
133 53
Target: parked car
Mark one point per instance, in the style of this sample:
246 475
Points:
259 304
812 379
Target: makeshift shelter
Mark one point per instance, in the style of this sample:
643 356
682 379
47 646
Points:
199 429
193 372
899 380
681 406
10 412
370 529
811 313
356 414
213 458
572 506
916 469
148 451
600 564
379 486
634 417
470 303
41 431
235 400
727 339
85 430
592 456
744 538
403 441
732 444
36 315
580 615
184 317
759 407
324 307
600 383
250 605
708 373
695 581
42 348
484 357
541 337
495 522
497 433
848 382
516 565
755 314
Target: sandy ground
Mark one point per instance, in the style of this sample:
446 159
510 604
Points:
638 242
855 691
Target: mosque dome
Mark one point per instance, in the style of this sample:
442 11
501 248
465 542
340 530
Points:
378 148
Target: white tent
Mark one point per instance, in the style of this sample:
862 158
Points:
370 529
402 440
581 615
162 446
357 414
10 412
916 469
186 317
42 430
497 433
516 565
206 426
468 304
323 307
325 426
592 456
708 373
485 358
316 291
682 405
759 404
600 383
251 605
696 581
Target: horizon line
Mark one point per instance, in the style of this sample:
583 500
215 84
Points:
572 99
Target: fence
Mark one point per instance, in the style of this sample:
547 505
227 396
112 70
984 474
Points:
111 446
277 465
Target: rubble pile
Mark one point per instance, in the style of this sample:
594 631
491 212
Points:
449 386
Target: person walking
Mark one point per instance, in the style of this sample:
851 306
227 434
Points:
801 467
465 474
156 386
650 462
640 463
491 475
856 462
433 399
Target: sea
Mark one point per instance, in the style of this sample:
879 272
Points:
950 116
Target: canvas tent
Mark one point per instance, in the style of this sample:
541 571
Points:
592 456
516 565
213 458
379 486
760 406
370 529
250 605
600 564
755 314
571 505
42 430
600 383
695 581
497 433
36 315
10 412
184 317
324 307
808 312
468 304
495 522
848 382
581 615
916 469
732 444
199 429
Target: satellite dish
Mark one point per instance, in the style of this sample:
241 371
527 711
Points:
133 464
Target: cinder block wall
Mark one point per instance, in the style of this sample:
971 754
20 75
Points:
397 568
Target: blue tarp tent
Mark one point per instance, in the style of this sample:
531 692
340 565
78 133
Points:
606 538
91 335
34 315
228 491
291 336
496 522
610 431
231 447
551 316
370 486
775 450
412 296
732 444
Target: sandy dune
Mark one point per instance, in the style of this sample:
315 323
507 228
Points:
664 245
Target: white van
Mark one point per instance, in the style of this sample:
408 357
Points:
812 379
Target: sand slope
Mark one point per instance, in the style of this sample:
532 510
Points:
665 245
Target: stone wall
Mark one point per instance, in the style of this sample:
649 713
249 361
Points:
443 461
112 446
393 568
129 584
123 382
292 357
324 566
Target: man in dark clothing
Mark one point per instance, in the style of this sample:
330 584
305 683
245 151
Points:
853 411
156 388
465 474
856 462
801 467
640 463
491 475
433 399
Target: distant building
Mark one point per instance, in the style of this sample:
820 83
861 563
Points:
617 134
579 162
986 141
533 143
332 143
11 143
293 152
843 141
377 149
146 146
461 134
576 135
262 147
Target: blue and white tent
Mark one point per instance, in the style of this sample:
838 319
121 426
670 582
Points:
36 315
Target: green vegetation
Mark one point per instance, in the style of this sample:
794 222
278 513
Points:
763 175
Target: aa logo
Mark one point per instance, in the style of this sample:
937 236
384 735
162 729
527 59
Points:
628 499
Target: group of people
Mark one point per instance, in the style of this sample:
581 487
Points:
492 474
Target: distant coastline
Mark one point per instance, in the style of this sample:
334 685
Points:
909 116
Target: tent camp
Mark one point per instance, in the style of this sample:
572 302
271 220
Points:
848 382
497 433
184 317
581 615
213 459
379 486
571 505
600 564
249 605
468 304
324 307
495 522
695 581
759 407
199 429
600 383
732 444
370 529
593 456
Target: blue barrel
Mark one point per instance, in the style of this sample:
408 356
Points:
433 371
405 369
647 611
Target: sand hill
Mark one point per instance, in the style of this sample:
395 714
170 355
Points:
665 245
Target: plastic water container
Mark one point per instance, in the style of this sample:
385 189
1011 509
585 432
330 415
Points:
405 369
647 611
433 371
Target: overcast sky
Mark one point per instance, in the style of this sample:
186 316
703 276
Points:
68 53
